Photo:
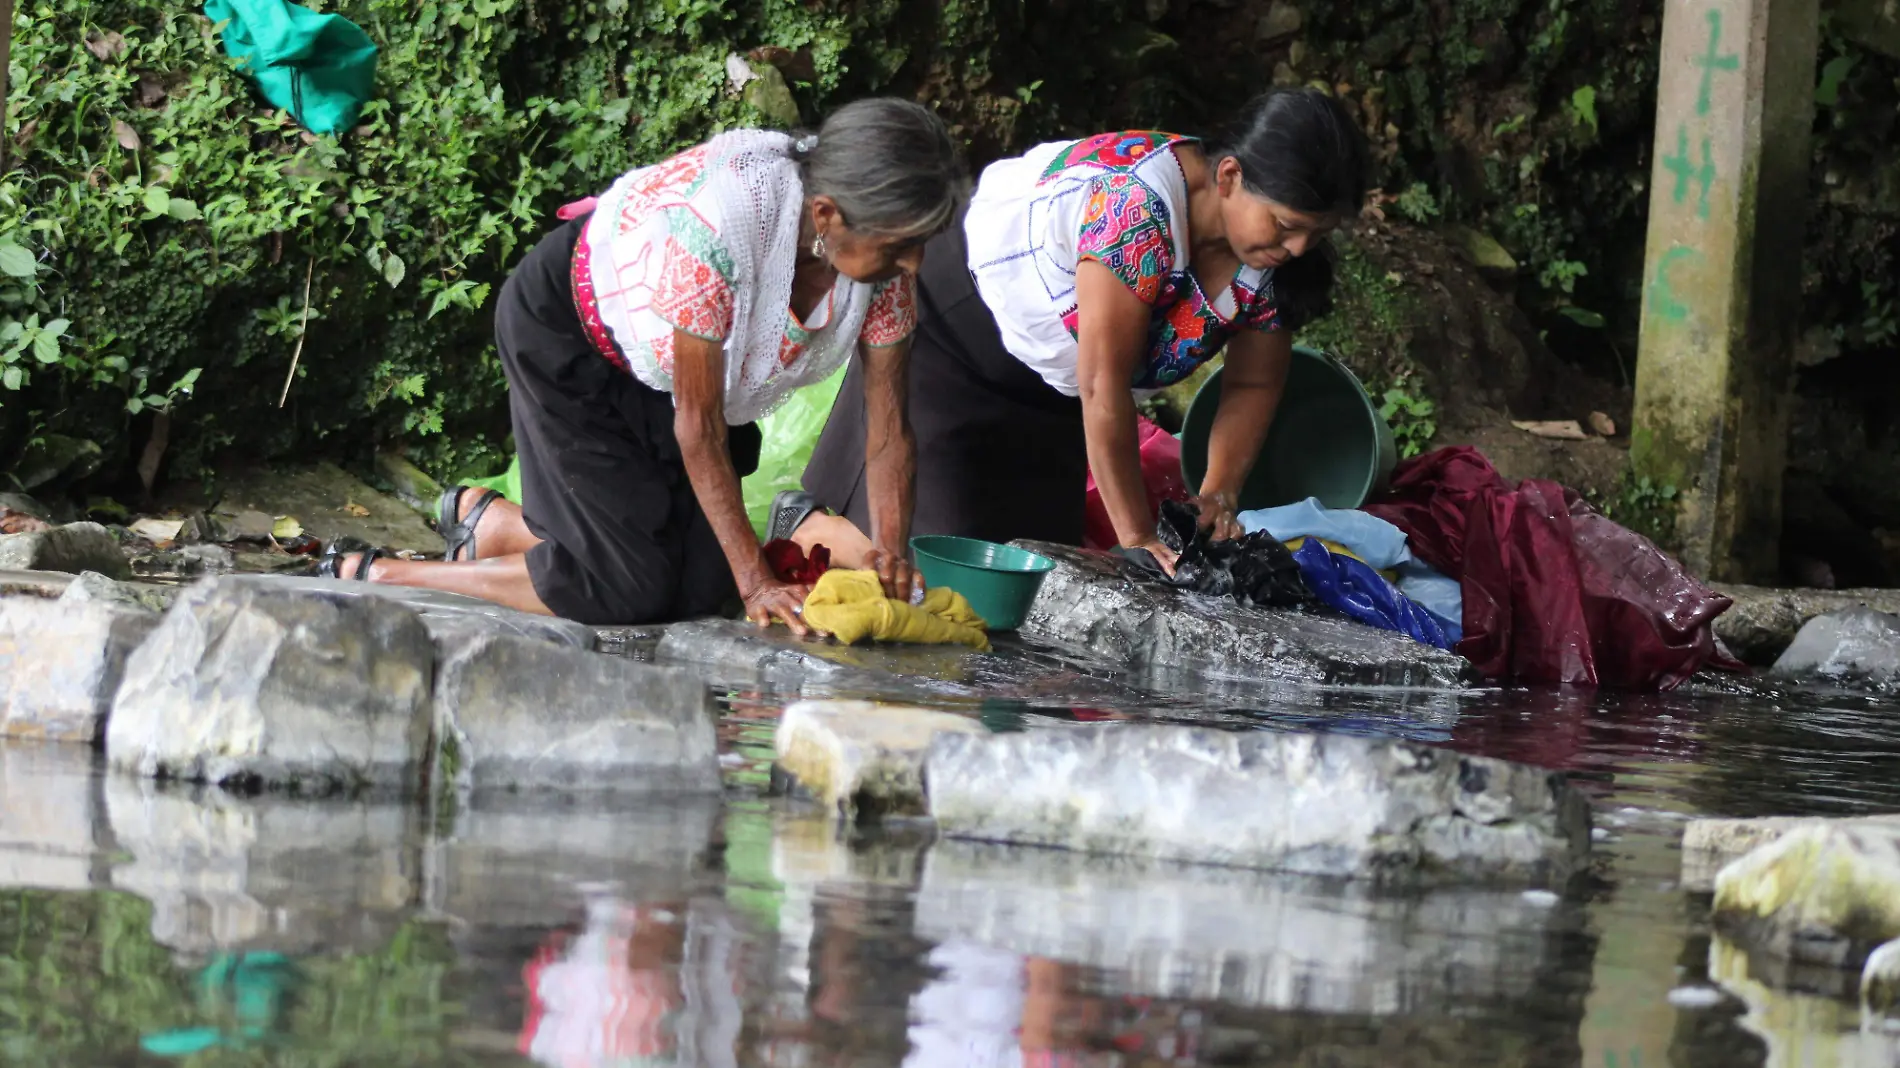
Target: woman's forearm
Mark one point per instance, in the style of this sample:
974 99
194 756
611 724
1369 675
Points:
708 459
890 450
1109 424
1252 381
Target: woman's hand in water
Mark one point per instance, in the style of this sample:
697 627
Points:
899 578
782 602
1217 515
1163 555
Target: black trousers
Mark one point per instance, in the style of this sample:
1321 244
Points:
1000 453
623 539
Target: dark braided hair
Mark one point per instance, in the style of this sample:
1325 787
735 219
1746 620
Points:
1300 148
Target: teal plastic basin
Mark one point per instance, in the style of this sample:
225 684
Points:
999 581
1327 439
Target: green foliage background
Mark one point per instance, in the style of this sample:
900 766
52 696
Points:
158 223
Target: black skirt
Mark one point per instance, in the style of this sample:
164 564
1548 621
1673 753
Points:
623 539
1000 453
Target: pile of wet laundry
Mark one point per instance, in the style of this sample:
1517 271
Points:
1524 579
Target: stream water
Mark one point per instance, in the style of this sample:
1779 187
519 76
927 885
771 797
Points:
139 923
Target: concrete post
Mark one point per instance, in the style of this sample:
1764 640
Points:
6 56
1722 273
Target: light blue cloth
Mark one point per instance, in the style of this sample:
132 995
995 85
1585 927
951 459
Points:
1373 540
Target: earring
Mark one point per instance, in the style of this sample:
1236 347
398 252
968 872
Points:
818 248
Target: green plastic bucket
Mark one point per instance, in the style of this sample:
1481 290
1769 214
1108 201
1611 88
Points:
999 581
1327 439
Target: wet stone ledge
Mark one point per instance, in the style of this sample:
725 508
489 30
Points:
1339 806
1087 603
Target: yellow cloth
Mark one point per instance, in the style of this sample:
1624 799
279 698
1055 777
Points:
851 606
1334 547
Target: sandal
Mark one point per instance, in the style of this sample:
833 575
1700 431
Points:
460 534
790 508
331 566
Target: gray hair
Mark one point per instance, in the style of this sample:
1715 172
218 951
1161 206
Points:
890 165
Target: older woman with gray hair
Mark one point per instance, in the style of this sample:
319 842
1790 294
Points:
643 340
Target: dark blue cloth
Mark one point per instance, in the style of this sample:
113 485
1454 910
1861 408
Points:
1362 593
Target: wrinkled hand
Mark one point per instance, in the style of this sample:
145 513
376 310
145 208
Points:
1163 555
895 573
772 601
1217 516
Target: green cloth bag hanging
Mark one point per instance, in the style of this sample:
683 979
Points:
320 68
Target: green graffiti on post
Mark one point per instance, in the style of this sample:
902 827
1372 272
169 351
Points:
1685 170
1662 294
1713 61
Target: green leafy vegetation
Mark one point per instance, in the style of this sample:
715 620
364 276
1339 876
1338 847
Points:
1412 419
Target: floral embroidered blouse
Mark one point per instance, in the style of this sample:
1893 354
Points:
1120 199
671 271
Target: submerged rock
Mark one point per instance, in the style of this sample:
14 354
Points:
1826 893
73 548
1856 647
862 759
60 664
1318 804
242 682
517 713
1087 603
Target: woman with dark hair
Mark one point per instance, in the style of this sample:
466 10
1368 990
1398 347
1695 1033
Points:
644 339
1086 272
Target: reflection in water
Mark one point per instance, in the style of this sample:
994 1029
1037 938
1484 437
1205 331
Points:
746 932
638 984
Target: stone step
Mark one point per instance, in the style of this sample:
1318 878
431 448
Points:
248 681
1329 805
61 661
1087 603
515 713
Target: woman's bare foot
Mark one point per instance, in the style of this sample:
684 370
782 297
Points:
849 547
503 580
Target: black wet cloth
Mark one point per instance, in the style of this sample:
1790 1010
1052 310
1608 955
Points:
623 539
1254 569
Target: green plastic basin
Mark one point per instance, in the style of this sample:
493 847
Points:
1327 439
999 581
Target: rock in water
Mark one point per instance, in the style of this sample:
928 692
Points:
1709 845
1319 804
1826 893
1087 603
60 664
518 713
1763 622
859 758
246 683
73 548
1855 647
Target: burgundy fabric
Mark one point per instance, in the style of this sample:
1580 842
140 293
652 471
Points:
1554 592
789 564
1160 474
